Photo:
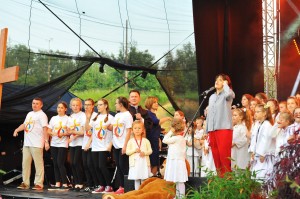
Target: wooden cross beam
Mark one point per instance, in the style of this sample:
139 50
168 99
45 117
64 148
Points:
6 74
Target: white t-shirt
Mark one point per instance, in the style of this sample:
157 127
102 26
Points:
121 123
101 135
58 124
88 132
33 132
77 122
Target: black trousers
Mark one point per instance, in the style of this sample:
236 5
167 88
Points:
122 163
89 169
76 164
59 156
100 164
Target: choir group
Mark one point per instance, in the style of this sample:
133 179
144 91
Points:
251 135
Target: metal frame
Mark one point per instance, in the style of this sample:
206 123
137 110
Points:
270 16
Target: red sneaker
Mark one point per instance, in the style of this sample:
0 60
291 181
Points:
100 189
120 190
108 189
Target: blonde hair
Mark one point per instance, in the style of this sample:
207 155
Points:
177 124
76 99
150 101
136 122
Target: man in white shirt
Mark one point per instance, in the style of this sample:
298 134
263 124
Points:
35 139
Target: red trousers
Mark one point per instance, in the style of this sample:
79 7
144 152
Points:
220 142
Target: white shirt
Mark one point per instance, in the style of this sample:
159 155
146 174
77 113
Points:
88 132
121 123
101 135
58 124
77 122
33 132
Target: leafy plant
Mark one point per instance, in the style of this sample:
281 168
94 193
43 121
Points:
239 184
285 180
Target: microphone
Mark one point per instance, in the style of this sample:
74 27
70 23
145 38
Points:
235 106
207 91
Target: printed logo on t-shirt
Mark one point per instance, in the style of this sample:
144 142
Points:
75 126
101 131
118 131
61 130
89 132
29 125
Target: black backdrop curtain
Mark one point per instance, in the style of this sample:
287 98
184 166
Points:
228 36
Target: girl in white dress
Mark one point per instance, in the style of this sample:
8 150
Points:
239 151
262 147
138 149
189 151
176 170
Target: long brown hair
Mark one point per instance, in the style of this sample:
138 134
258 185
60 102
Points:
105 102
266 109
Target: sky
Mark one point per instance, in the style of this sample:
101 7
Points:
153 25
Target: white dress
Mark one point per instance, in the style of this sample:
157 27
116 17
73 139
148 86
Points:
239 153
140 170
207 162
262 144
189 155
176 170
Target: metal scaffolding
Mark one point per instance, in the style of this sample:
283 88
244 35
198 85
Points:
270 16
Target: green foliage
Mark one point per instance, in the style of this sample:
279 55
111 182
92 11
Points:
97 94
239 184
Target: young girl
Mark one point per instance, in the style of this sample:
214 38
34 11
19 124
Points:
262 147
101 145
76 130
89 169
122 124
273 104
176 170
292 103
280 131
239 151
57 129
294 129
180 115
246 98
138 149
189 151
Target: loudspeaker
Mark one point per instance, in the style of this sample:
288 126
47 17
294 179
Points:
11 176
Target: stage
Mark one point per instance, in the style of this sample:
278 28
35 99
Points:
13 192
10 191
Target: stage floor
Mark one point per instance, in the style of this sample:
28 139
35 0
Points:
13 192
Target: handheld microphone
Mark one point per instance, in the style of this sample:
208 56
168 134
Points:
207 91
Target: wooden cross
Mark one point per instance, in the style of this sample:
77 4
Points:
6 74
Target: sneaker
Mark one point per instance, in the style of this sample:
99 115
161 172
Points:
87 189
54 188
37 187
100 189
63 188
23 186
120 190
108 189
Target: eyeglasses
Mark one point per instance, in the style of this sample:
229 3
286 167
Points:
87 104
100 104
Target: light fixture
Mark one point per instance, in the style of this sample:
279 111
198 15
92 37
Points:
144 74
101 67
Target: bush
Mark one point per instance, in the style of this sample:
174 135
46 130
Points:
239 184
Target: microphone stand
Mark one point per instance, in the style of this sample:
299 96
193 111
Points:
193 144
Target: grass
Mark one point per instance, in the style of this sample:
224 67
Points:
97 94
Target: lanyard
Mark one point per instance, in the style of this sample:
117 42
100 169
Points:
139 145
258 131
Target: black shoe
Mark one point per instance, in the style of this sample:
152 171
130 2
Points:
63 188
78 189
54 188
